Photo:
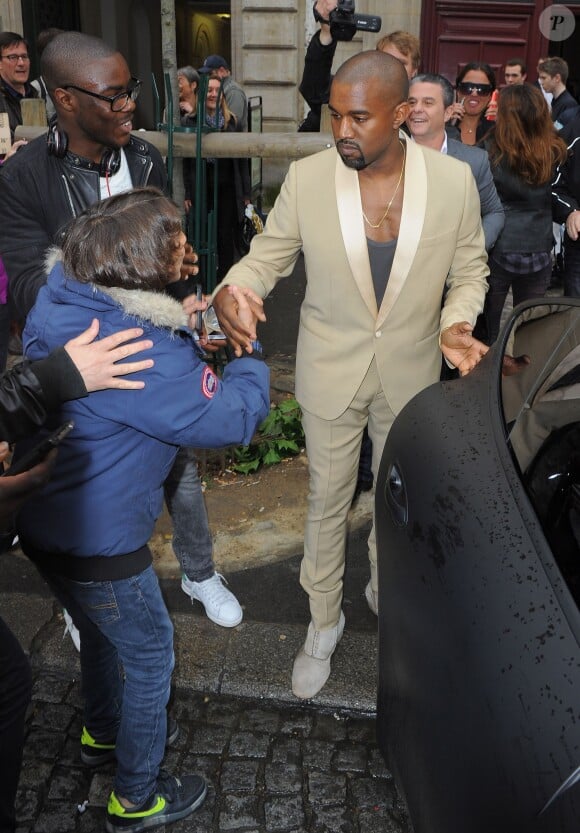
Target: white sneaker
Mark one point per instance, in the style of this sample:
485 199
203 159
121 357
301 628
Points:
71 629
221 606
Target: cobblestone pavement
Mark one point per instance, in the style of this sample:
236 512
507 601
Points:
270 768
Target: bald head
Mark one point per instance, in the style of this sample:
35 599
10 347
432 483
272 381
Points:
386 72
66 56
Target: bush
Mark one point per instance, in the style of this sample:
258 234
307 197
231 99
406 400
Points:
279 436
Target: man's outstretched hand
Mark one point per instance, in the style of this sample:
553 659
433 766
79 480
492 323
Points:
460 348
235 315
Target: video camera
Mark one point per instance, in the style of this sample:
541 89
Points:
344 22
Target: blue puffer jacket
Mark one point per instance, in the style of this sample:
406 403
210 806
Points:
107 487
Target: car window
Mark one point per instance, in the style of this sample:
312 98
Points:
541 405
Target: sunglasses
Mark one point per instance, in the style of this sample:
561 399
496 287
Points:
469 88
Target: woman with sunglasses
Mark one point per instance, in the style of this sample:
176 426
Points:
474 87
524 150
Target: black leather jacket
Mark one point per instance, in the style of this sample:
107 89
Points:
31 389
566 186
40 193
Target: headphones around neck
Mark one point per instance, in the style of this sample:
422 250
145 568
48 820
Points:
57 145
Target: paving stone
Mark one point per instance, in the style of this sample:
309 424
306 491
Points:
91 821
297 724
239 776
56 819
35 773
71 752
258 720
283 813
238 813
205 765
285 750
209 740
326 788
371 821
377 765
283 778
269 768
46 745
329 727
363 731
100 789
50 689
222 713
350 757
28 803
69 785
374 793
249 745
317 754
200 821
74 696
51 715
332 820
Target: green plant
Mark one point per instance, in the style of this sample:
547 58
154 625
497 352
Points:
279 436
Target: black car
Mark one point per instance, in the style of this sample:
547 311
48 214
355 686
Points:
478 533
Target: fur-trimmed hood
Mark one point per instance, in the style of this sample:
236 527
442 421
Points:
160 309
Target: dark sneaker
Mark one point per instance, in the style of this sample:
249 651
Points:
94 753
173 799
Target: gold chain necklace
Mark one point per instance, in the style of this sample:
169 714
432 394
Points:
386 214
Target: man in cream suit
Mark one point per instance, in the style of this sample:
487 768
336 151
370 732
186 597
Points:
431 100
386 228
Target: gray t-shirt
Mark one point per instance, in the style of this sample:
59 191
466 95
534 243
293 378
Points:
381 258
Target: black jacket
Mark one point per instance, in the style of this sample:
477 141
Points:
315 84
566 185
528 212
31 389
40 193
564 109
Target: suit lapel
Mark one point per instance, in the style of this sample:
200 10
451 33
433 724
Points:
353 233
412 219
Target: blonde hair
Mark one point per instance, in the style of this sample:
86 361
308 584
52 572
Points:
407 44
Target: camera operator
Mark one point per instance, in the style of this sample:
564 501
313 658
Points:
316 78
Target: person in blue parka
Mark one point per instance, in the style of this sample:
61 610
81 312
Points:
87 529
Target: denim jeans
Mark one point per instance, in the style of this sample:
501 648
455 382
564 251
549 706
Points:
126 664
192 542
524 287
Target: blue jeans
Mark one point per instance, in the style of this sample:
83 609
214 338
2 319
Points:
126 664
192 542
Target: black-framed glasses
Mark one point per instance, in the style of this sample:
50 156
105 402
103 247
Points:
118 102
469 88
14 58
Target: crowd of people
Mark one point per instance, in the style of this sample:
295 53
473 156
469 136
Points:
460 185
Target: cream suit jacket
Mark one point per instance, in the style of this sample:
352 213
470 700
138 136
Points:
440 250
